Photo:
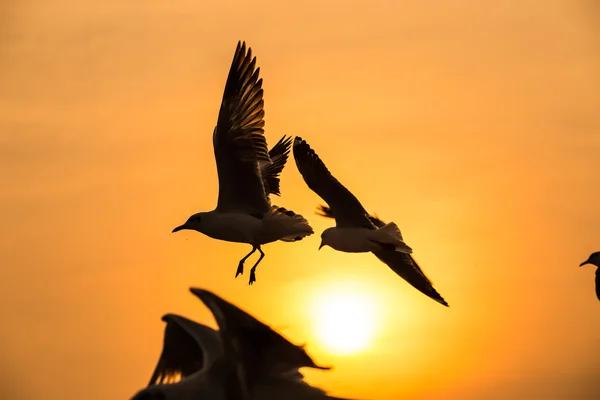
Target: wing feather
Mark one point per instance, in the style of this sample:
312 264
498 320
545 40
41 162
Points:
187 348
270 171
345 207
239 141
263 351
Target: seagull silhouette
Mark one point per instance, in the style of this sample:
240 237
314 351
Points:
247 172
356 230
594 259
245 359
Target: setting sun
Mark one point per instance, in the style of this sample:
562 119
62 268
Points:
345 320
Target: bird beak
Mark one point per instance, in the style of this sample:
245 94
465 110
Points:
179 228
585 262
322 244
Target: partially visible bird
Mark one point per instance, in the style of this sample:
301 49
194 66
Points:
248 361
268 351
248 172
356 230
594 259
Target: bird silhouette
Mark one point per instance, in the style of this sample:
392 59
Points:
247 172
244 360
356 230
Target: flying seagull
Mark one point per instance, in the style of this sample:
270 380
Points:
356 230
247 172
248 360
594 259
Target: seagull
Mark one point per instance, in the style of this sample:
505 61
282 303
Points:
244 360
594 259
356 230
248 173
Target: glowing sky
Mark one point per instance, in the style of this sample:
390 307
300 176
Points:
473 125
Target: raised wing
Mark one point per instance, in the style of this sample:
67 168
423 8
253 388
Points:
239 141
188 347
345 207
270 171
267 352
404 265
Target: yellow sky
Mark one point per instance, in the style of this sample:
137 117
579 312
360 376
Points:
474 126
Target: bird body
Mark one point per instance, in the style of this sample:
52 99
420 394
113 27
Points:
245 228
363 240
230 227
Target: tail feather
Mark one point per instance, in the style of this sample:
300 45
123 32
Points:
389 234
392 229
270 171
297 225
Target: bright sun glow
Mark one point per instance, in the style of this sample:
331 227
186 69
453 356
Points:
345 319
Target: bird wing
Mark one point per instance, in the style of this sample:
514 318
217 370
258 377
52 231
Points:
345 207
404 265
264 352
188 347
239 141
270 171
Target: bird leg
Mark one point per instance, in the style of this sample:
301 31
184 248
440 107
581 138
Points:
252 274
240 269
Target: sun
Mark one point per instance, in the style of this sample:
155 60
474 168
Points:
345 319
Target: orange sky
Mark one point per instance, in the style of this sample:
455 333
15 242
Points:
474 126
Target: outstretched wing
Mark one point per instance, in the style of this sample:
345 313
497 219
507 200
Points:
188 347
270 171
264 352
345 207
404 265
239 141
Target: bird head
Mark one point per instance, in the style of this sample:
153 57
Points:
193 223
593 259
326 237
